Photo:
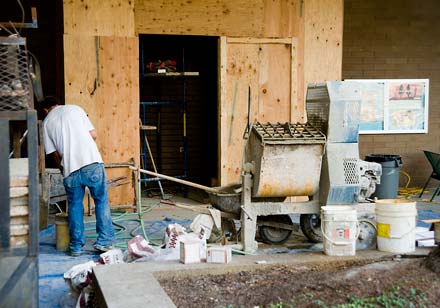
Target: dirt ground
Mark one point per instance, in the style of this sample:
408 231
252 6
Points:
393 283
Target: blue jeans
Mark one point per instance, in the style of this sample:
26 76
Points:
93 177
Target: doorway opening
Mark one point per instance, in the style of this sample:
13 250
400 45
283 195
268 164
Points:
178 107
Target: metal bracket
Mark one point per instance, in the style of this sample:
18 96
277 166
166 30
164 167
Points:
32 25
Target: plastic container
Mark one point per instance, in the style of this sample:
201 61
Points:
389 181
340 230
396 225
62 231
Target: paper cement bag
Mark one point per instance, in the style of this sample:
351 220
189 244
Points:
113 256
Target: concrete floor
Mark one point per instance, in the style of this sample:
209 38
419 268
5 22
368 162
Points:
140 287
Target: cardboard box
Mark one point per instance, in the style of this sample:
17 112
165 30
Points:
190 251
219 255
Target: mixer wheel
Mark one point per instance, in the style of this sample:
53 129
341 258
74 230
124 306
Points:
311 227
367 238
274 235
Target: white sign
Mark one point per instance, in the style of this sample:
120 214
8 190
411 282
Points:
394 106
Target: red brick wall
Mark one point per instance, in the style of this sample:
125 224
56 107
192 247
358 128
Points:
396 39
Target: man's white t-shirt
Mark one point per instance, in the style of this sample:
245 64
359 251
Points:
67 130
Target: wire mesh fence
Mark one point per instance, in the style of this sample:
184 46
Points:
15 84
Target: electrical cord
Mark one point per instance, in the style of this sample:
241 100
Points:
126 216
407 191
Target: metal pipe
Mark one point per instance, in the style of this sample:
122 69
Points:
173 179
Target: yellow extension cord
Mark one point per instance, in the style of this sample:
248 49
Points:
409 192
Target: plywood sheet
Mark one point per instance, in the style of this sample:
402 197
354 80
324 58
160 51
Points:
102 76
264 66
318 27
275 83
323 29
208 17
97 17
281 17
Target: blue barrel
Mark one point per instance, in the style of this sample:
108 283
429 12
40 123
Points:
389 181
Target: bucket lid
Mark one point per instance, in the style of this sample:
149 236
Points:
395 201
337 208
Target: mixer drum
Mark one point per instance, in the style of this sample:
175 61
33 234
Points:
287 159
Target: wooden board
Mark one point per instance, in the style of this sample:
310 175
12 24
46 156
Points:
208 17
107 87
19 210
18 181
19 201
96 17
16 192
264 65
19 229
20 240
431 221
20 220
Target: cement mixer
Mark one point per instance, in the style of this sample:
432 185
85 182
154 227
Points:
318 159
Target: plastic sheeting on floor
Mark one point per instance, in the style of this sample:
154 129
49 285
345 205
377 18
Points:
54 291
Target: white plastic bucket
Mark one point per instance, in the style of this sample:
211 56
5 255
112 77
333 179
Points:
340 230
396 225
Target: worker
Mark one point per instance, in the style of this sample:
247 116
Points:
69 137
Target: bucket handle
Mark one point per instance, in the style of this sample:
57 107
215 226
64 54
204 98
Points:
358 230
405 234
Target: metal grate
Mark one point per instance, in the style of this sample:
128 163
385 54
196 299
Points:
15 86
351 173
288 132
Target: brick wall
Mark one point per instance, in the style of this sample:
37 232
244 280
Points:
396 39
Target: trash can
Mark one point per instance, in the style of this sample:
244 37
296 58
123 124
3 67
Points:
389 181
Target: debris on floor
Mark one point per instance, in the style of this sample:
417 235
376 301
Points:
54 292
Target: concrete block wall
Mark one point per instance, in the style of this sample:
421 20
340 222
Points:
396 39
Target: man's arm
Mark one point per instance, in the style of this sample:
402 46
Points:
57 159
94 134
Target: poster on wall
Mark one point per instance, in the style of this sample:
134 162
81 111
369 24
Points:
394 106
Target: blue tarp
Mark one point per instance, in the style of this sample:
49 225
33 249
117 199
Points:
54 291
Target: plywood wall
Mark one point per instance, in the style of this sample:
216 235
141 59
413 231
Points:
207 17
244 18
281 18
317 24
323 28
272 99
101 75
99 17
